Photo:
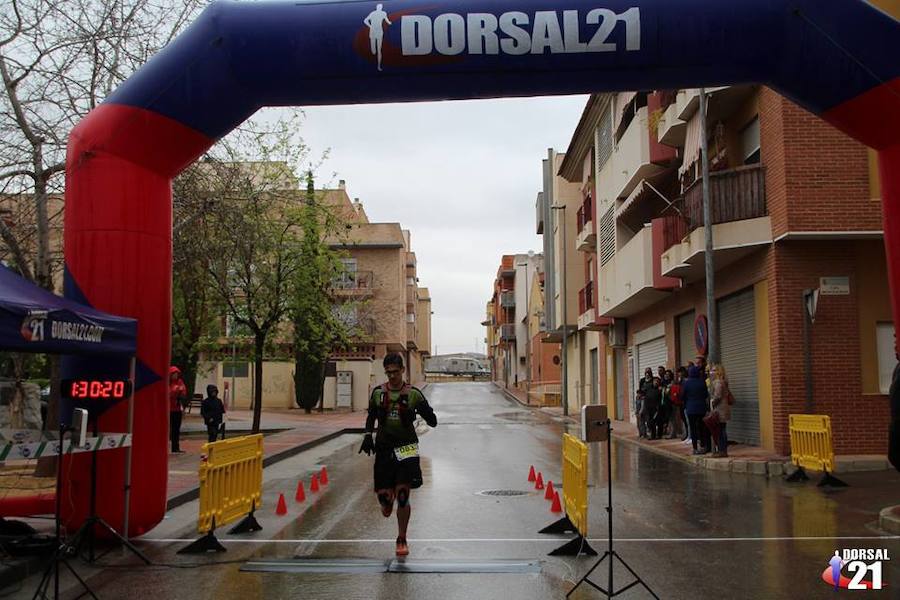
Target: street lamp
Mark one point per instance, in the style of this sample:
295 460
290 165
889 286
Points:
527 325
565 318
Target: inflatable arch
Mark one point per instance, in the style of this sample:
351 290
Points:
837 58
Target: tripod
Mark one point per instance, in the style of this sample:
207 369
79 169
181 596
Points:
610 553
86 534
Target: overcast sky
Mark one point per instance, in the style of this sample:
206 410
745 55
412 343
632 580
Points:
461 176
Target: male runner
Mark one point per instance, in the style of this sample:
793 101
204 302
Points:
394 405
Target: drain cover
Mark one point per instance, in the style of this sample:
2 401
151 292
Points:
503 493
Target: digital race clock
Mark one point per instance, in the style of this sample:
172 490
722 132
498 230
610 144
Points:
96 389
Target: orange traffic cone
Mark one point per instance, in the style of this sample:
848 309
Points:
548 495
301 495
323 476
282 506
555 507
314 484
539 484
531 474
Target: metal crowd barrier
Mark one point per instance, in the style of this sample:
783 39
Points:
230 487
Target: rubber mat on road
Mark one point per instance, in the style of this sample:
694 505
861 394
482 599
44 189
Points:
405 565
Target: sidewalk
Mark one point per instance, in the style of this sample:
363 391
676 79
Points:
287 432
741 459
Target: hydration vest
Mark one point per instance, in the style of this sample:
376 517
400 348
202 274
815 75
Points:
402 404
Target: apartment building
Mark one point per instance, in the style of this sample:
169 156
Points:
507 316
795 209
378 293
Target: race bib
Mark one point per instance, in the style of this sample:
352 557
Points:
407 451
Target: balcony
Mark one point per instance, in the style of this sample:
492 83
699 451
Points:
586 239
508 299
631 161
410 259
411 341
353 284
740 222
587 309
539 212
507 268
363 330
508 332
626 281
411 297
671 130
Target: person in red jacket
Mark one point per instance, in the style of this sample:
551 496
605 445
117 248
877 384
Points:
177 396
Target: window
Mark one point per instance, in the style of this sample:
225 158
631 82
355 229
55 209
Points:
884 341
410 317
750 142
604 139
235 369
608 235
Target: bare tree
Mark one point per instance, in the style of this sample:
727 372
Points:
58 61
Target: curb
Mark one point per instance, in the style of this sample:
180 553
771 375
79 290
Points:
194 493
889 519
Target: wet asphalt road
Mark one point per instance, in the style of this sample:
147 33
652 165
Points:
689 533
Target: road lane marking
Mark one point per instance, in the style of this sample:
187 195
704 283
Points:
528 540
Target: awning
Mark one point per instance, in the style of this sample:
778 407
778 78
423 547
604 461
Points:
33 319
691 144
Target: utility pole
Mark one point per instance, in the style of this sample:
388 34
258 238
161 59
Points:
709 262
565 317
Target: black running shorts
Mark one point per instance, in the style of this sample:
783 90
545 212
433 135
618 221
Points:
390 472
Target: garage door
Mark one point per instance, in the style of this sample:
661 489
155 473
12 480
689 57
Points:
687 350
650 354
737 341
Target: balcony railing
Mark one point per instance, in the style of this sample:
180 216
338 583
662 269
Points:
586 298
507 299
585 214
363 330
508 332
353 282
734 195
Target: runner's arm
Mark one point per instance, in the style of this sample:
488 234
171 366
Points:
426 412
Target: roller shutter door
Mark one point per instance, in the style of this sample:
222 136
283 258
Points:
737 341
650 354
687 350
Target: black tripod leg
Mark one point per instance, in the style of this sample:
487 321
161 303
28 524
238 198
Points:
87 589
584 578
134 549
637 578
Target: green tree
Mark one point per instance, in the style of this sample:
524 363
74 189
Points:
317 328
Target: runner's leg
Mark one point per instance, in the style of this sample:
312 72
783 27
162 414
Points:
386 501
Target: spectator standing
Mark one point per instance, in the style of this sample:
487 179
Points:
721 400
696 398
652 401
213 412
676 418
177 400
645 382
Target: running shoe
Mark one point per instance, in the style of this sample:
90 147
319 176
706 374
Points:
402 546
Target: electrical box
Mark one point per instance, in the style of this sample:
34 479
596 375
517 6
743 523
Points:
344 389
594 423
617 333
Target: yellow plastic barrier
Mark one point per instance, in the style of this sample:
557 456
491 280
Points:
230 480
575 468
811 445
